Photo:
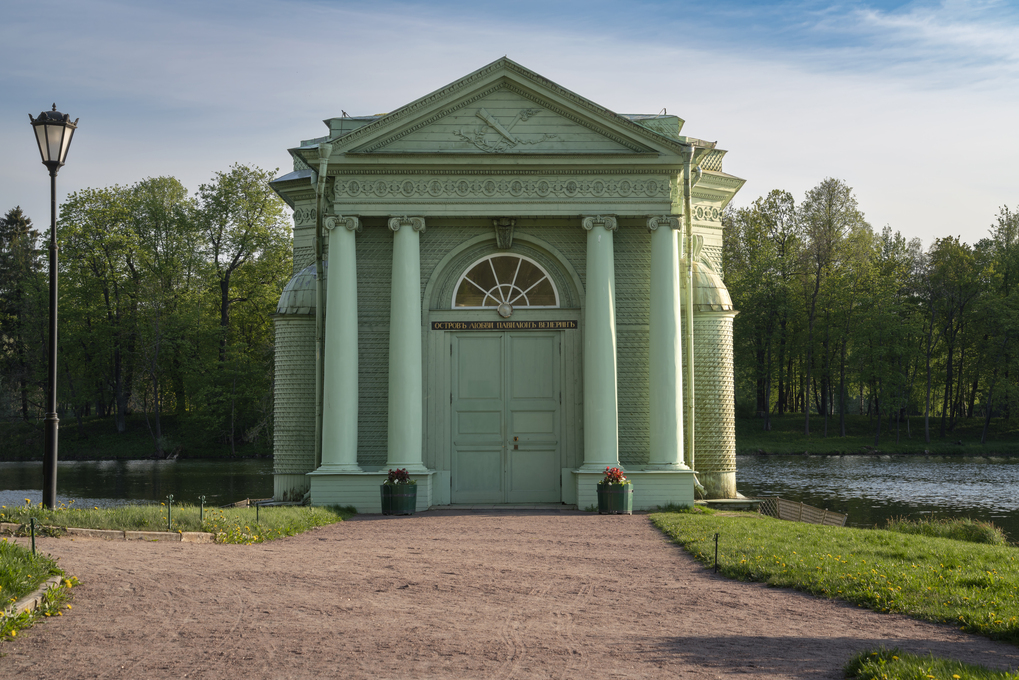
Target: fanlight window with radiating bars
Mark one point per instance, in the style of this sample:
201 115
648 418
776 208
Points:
499 280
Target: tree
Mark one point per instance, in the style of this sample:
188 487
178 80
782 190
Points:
22 307
246 242
760 252
829 215
243 222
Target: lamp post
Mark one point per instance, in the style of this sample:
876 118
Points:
53 132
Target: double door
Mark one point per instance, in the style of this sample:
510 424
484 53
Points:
506 398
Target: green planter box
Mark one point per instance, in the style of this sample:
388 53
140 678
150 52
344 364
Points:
615 499
399 499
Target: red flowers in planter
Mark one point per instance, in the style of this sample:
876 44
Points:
399 476
614 475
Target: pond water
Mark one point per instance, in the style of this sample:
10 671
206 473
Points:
873 488
869 488
117 482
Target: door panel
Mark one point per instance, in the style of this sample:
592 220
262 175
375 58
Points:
506 418
478 418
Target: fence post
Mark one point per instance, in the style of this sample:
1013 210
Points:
169 504
32 522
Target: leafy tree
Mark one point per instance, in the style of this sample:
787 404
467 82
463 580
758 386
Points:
829 216
23 311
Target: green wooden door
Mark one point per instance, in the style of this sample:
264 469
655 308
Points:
506 404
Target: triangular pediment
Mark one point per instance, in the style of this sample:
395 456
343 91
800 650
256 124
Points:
504 109
505 119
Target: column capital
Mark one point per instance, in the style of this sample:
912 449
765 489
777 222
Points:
667 221
415 223
607 221
349 223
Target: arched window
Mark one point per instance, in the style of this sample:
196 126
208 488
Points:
506 282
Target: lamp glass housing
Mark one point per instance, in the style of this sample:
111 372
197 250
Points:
53 132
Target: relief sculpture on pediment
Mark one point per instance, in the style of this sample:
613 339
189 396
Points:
494 137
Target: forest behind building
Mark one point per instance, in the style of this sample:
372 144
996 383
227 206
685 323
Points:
166 335
165 331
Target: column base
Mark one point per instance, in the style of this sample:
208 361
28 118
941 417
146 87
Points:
414 468
718 485
335 468
667 466
598 467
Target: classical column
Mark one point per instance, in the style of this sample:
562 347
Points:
339 389
601 426
665 347
405 369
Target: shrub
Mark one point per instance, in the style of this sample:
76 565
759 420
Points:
959 529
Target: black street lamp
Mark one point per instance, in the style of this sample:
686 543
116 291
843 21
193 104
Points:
53 131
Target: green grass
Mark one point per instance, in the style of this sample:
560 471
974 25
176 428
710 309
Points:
21 572
970 585
958 529
786 437
230 525
892 664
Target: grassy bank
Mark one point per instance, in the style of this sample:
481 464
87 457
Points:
230 525
969 585
97 439
21 572
786 437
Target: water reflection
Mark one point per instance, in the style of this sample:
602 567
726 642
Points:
115 482
873 488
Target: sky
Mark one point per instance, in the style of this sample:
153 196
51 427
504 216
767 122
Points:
913 104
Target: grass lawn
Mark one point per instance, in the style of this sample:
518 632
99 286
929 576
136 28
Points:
230 525
21 572
786 437
970 585
891 664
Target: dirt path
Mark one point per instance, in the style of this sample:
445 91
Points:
448 594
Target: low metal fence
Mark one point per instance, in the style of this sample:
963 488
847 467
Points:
792 511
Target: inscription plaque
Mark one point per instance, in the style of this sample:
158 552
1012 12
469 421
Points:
503 325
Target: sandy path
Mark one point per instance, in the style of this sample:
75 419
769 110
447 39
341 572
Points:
448 594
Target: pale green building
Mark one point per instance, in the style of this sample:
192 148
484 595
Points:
503 272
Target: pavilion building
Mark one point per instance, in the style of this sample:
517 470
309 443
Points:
491 290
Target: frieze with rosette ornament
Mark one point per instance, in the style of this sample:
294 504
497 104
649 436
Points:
304 217
707 213
501 187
